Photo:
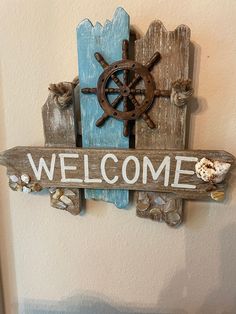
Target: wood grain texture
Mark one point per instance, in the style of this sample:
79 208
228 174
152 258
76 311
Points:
59 125
60 130
170 120
106 40
17 162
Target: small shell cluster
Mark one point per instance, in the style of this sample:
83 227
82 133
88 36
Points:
61 198
158 208
212 171
22 183
180 92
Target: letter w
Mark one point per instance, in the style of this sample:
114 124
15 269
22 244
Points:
42 165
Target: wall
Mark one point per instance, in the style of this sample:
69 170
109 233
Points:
109 261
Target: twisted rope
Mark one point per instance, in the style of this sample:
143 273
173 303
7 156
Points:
180 92
62 93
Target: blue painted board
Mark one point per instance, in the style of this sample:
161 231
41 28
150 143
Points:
106 40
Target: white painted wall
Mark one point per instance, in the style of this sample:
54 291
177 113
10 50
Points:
110 261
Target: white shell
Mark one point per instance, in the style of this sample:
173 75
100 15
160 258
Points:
25 178
14 178
66 200
68 192
58 204
211 171
57 194
25 189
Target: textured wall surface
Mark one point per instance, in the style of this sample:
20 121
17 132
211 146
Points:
109 261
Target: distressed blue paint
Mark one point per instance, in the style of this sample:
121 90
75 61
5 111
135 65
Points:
107 40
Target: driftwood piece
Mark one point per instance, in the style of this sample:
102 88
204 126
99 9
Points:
107 40
133 169
59 125
60 130
170 120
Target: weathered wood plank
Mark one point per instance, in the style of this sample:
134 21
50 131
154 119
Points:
106 40
60 130
59 125
114 169
170 120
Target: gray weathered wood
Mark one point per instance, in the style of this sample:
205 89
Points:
18 162
59 125
60 130
170 120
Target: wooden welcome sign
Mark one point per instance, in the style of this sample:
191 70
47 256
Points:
121 127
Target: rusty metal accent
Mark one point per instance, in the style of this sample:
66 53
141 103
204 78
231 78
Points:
126 90
138 108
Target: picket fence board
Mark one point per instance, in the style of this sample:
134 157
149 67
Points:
170 120
106 40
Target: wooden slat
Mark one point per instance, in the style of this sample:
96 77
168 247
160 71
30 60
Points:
106 40
59 125
18 161
170 120
60 130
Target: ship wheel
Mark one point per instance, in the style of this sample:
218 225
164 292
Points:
126 90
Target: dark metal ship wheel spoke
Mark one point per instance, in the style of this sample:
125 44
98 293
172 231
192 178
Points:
126 90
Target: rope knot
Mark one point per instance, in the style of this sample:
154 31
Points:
62 93
180 92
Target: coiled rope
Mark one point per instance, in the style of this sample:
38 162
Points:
61 93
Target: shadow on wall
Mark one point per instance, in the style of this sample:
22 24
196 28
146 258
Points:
88 304
223 298
197 104
178 296
186 286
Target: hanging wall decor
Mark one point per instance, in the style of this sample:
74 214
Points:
121 126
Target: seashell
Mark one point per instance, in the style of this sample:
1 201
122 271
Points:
68 192
25 178
26 189
14 178
58 204
36 187
143 204
52 190
218 195
212 171
19 188
160 201
172 218
58 193
66 200
13 185
155 214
